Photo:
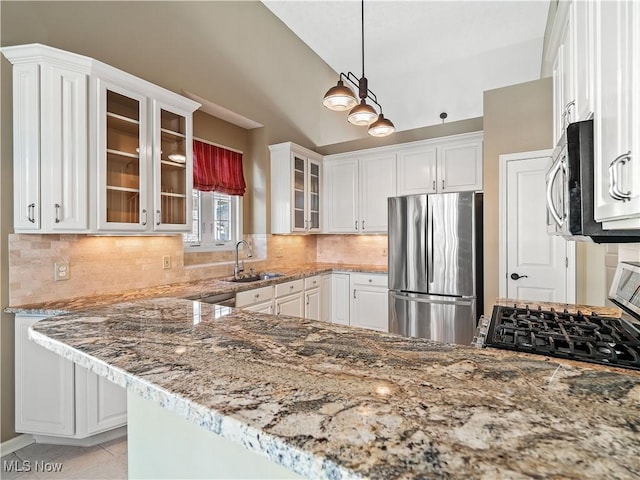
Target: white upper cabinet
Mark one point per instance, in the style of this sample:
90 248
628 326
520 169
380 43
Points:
357 189
296 182
357 184
377 183
617 114
91 147
460 166
50 138
573 66
452 164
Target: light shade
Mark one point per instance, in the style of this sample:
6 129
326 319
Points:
381 127
362 115
339 98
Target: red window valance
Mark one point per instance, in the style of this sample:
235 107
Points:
216 169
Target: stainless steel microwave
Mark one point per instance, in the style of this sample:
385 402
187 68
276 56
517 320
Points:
570 197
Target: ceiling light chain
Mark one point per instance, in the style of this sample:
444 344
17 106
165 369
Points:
341 98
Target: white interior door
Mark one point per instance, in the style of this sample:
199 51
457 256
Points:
536 265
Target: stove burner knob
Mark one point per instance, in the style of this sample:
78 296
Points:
515 276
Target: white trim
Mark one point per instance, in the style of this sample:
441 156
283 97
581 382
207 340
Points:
16 443
436 141
217 145
83 442
502 222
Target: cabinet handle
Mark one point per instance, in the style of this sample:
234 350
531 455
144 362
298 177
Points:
443 183
354 293
144 216
434 185
356 225
31 213
567 110
278 309
614 189
363 225
157 217
307 299
550 205
57 207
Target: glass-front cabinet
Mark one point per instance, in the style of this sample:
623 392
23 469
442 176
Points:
295 189
122 160
173 177
144 163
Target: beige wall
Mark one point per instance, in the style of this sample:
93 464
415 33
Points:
6 227
516 119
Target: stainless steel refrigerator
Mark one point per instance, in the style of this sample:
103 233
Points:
435 266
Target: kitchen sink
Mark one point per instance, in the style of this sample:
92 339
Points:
257 277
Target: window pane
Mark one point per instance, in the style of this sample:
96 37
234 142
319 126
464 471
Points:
223 231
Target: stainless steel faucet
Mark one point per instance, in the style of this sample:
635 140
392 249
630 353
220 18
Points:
237 268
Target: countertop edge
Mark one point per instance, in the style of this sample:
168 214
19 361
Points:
277 450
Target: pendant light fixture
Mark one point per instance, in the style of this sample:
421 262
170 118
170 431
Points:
341 98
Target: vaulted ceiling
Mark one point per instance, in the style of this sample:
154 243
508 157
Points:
425 57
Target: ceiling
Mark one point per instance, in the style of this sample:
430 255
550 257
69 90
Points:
425 57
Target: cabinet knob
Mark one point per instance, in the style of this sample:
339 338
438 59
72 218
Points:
290 287
370 280
257 295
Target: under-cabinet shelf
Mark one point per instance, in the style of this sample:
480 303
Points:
123 189
171 194
171 134
120 153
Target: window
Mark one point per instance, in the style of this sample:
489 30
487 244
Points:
217 222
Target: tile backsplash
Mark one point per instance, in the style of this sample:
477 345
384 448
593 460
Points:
111 264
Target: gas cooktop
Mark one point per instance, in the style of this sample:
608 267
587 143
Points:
577 336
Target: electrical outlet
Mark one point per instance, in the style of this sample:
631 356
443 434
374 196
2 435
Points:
166 261
61 271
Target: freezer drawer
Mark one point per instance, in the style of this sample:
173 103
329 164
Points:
445 319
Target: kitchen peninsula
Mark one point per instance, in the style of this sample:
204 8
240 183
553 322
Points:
328 401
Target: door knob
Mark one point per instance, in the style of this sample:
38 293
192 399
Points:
515 276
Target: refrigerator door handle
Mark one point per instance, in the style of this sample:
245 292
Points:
429 255
433 299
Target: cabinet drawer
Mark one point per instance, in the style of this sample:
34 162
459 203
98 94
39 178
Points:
288 288
257 295
312 282
369 279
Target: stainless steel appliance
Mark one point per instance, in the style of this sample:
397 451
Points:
570 192
435 265
581 335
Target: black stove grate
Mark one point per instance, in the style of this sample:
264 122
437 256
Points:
579 336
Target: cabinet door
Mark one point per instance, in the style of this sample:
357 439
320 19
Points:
102 404
123 159
325 297
44 384
377 183
299 200
582 33
417 170
314 184
292 305
370 306
342 196
64 149
26 148
460 167
617 172
558 95
173 169
262 307
312 304
340 298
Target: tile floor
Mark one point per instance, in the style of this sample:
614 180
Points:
103 461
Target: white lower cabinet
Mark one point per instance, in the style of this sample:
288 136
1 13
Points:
55 397
312 297
289 298
256 300
370 301
340 298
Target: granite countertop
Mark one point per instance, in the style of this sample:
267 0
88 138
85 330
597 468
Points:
331 401
191 290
